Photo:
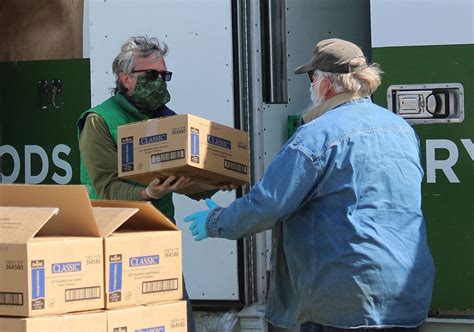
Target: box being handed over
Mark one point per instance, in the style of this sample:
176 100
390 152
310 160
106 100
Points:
51 254
183 145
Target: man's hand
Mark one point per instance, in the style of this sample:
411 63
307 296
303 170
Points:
158 188
199 219
228 187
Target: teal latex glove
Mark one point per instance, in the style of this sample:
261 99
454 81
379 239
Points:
198 219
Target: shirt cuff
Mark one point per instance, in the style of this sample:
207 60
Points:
137 195
212 222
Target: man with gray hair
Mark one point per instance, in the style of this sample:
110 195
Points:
343 197
140 93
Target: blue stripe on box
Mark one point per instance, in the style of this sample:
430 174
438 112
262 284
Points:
195 144
37 283
115 277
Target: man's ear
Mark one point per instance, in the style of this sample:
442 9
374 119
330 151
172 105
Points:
325 87
125 79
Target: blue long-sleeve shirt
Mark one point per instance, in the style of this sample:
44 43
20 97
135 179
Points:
343 197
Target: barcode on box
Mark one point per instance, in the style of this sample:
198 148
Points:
236 167
167 156
156 286
80 294
11 298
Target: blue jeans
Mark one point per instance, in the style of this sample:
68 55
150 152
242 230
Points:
313 327
191 324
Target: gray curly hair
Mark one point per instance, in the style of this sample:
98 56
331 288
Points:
138 46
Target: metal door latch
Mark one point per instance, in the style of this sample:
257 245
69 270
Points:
427 103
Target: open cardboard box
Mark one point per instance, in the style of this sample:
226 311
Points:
51 253
142 253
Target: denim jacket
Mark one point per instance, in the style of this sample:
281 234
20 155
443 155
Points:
343 197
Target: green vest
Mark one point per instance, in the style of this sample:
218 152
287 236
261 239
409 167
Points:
117 111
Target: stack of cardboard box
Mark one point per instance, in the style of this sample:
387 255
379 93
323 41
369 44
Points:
69 265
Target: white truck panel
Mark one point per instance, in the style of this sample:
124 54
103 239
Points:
199 37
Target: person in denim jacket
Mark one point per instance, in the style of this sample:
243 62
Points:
343 197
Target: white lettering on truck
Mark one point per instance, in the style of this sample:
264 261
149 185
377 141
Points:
40 176
445 165
10 150
39 151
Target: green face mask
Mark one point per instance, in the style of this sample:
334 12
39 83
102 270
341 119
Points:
150 95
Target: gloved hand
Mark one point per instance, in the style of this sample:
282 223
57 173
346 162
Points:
199 219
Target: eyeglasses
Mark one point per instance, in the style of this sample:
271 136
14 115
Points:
313 83
312 78
152 74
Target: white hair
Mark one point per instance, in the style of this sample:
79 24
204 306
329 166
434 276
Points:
363 79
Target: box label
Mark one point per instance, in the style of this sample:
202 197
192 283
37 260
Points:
37 285
152 139
195 145
220 142
144 261
127 154
152 329
66 267
115 278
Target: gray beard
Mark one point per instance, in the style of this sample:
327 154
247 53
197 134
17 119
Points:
315 99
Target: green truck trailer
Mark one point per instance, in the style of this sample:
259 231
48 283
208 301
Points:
429 80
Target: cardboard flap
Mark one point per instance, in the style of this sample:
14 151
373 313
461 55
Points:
19 224
110 219
148 218
75 213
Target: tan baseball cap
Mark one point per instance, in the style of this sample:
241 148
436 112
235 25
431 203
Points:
331 55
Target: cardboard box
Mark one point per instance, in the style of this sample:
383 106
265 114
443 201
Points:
162 317
85 321
142 253
51 258
183 145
